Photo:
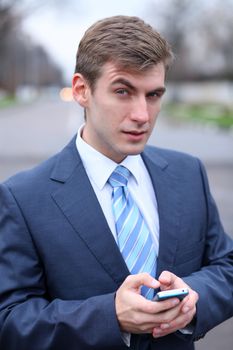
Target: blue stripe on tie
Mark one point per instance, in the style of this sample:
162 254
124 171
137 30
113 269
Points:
121 211
136 249
126 222
131 241
149 263
126 231
122 218
124 210
134 238
136 266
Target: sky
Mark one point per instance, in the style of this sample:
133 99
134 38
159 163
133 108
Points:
60 28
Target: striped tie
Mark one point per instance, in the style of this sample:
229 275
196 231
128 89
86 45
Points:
134 238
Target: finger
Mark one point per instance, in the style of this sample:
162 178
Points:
147 321
154 311
190 302
136 281
167 278
156 308
178 323
158 332
159 307
168 315
183 320
161 316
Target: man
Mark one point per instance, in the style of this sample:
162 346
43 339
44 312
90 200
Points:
66 279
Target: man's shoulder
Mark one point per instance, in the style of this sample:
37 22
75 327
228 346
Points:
40 175
179 163
182 166
168 155
32 177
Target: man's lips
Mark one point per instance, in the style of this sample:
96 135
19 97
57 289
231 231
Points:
135 135
135 132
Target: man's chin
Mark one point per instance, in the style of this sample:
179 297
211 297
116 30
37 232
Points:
133 151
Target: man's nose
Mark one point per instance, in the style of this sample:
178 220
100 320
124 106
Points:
139 111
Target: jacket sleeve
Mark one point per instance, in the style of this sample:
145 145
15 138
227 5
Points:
28 319
214 282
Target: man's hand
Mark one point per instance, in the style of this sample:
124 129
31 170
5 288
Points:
187 308
136 314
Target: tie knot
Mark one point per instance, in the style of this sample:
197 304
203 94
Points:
119 177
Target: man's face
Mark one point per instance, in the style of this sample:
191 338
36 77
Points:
122 110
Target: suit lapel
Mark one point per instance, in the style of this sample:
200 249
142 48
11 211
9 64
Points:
78 202
166 186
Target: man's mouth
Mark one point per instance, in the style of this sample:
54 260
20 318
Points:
135 135
135 132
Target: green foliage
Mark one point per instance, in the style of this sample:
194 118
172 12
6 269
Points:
7 101
219 115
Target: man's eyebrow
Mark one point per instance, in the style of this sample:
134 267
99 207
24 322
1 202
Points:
160 89
122 81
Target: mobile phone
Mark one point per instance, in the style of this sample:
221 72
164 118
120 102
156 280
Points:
172 293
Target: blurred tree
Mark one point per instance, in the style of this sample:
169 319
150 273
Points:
8 21
22 62
217 34
11 14
201 34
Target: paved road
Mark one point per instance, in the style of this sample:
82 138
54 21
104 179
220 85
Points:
33 132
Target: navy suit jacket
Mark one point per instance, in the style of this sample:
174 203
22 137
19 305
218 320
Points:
60 266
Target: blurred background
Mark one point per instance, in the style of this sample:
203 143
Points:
38 44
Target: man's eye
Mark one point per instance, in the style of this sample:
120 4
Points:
122 92
153 94
156 94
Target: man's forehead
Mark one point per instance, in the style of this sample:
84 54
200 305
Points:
123 68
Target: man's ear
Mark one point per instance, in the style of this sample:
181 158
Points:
80 89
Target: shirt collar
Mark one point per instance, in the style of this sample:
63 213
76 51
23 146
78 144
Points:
100 167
